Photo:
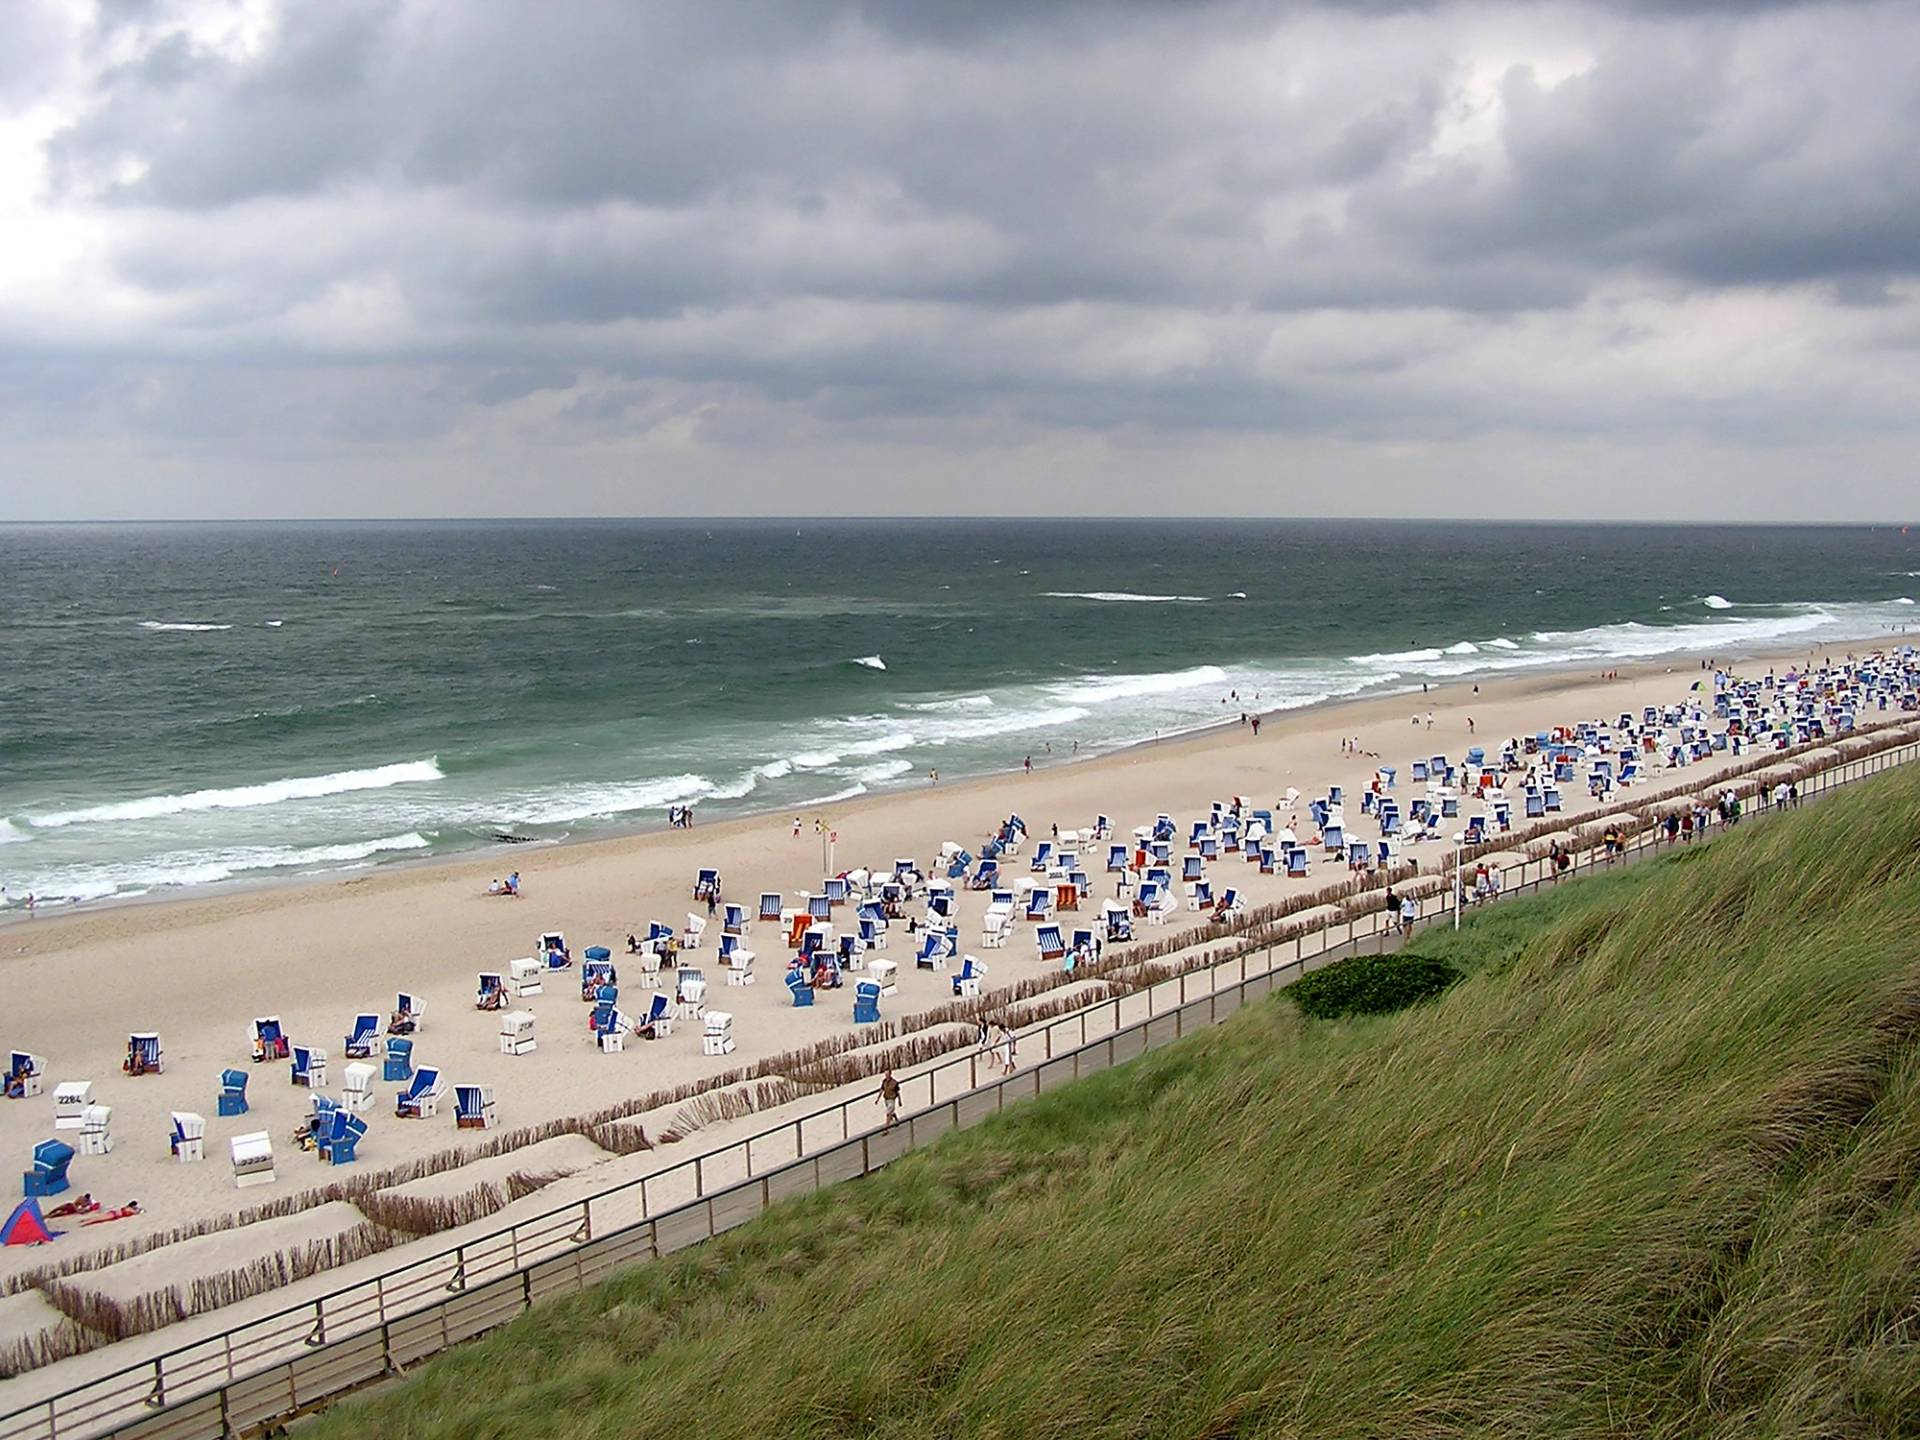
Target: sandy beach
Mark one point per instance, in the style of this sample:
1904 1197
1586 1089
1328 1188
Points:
198 969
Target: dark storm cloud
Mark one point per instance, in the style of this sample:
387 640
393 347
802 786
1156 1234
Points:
403 224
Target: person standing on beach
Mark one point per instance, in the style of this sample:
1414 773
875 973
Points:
1029 765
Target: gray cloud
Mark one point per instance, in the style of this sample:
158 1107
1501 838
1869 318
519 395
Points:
730 235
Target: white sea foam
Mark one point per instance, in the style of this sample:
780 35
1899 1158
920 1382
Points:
179 625
1717 602
244 797
958 702
275 624
207 867
1236 594
603 801
872 662
1395 657
777 769
899 740
885 770
1124 596
815 759
1095 691
1465 647
1500 642
11 834
1904 600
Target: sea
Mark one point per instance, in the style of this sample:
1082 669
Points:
187 706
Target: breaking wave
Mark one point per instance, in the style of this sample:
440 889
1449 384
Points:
872 662
179 625
244 797
1125 596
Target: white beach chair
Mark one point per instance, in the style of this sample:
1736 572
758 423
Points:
96 1130
252 1159
189 1138
690 995
717 1038
356 1091
696 927
526 974
883 973
516 1033
70 1101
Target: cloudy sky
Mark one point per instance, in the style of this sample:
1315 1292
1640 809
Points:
343 258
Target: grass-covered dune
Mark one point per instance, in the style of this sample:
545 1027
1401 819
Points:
1649 1169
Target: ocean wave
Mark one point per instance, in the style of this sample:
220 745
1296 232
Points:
885 770
1717 602
1500 642
124 879
898 740
273 624
603 801
1236 595
958 702
1091 691
179 625
244 797
1395 657
1124 596
872 662
11 834
1904 600
776 769
1464 647
815 759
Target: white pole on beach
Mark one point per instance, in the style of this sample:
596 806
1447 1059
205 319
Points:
1458 836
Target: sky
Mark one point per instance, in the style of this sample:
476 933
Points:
1641 261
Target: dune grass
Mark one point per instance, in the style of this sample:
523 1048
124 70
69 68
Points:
1650 1168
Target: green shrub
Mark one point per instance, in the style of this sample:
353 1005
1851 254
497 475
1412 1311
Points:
1371 985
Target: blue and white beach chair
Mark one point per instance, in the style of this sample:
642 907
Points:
473 1107
49 1173
866 1002
1048 940
360 1040
26 1075
706 883
409 1015
491 993
143 1054
1119 922
233 1092
595 973
733 919
967 981
802 991
339 1140
770 906
309 1067
1039 902
421 1098
397 1064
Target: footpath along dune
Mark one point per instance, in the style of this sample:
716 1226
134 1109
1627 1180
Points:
198 970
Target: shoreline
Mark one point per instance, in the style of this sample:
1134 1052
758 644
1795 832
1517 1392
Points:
315 955
253 896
